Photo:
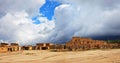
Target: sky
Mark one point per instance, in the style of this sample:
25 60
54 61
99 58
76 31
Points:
33 21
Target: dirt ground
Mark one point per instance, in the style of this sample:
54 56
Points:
35 56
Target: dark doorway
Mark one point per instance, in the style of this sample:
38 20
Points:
10 49
26 48
38 48
44 48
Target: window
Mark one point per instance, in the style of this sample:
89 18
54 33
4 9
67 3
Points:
75 40
87 42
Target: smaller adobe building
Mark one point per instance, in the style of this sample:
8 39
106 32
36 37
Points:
29 47
85 43
43 46
39 46
3 47
14 47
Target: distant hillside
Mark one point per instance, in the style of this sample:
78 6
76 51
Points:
114 41
106 37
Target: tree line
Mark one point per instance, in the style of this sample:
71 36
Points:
114 41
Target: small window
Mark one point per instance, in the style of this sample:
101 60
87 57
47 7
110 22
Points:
75 40
87 42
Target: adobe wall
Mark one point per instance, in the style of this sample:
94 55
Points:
4 44
43 46
3 49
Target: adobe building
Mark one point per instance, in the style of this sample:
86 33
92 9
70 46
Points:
113 45
4 44
43 46
59 46
3 47
85 44
29 47
14 47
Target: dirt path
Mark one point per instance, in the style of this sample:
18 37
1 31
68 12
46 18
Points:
92 56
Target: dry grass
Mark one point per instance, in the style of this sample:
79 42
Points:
29 53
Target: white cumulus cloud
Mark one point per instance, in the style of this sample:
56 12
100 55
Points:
16 24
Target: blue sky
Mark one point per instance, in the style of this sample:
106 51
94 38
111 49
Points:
47 10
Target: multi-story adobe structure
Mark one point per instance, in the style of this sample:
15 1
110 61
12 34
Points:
85 43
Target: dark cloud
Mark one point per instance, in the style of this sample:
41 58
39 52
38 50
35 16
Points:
97 18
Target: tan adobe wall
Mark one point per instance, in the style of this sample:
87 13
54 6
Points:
3 49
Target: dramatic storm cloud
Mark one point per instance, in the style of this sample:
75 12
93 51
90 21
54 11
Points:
85 18
28 22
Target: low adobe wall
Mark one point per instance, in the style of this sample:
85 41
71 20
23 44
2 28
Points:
3 49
